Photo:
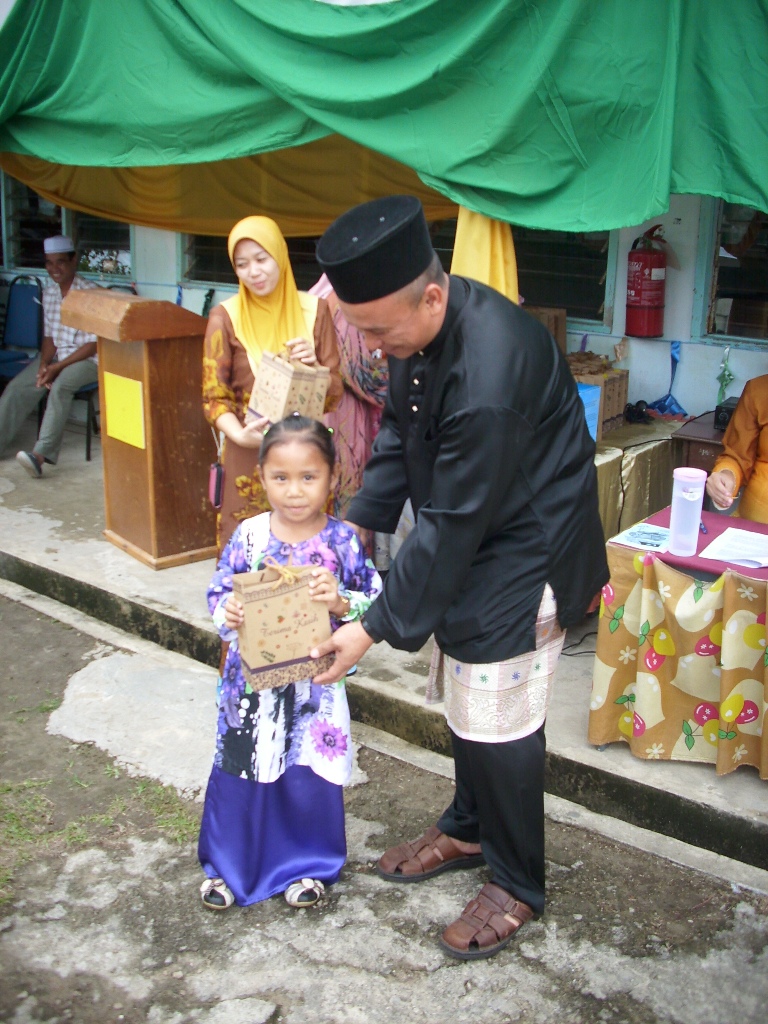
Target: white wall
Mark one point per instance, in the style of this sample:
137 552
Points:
156 269
648 361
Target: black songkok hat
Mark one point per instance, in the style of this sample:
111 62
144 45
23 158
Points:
376 248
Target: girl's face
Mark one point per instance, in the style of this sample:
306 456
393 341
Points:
297 480
255 268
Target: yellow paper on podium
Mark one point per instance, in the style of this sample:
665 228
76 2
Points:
124 409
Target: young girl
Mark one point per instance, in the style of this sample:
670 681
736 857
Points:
273 819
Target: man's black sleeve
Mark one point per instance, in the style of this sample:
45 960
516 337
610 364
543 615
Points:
378 504
476 474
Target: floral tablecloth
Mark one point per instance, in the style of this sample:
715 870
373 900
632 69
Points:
681 669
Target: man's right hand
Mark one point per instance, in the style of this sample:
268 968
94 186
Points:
349 644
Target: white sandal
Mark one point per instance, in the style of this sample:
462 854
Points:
305 893
216 894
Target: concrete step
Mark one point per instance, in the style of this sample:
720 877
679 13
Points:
687 802
51 541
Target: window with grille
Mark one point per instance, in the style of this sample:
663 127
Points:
104 246
29 218
559 269
565 269
206 261
555 268
739 290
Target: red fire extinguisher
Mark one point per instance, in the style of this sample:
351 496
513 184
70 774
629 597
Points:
646 277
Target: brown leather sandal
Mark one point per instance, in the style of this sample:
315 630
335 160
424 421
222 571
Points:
486 925
429 855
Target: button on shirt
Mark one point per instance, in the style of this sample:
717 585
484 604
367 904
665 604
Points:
66 339
416 397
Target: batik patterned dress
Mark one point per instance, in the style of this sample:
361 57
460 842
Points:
273 808
355 421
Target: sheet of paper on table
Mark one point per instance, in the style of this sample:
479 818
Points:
644 536
740 547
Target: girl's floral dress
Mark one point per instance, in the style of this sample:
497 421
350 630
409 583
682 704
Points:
261 734
281 755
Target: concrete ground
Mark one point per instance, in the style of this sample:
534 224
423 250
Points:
101 921
51 542
108 689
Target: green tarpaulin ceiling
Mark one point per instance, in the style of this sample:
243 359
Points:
575 114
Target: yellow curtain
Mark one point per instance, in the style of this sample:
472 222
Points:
484 251
303 189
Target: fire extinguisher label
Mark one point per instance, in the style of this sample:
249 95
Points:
658 273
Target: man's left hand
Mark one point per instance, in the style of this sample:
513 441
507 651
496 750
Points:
349 644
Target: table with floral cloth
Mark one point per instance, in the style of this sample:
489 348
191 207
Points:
681 668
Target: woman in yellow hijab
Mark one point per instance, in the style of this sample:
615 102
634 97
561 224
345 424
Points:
267 314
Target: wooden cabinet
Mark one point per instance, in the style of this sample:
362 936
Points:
698 443
156 444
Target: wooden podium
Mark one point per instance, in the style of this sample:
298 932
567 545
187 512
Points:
157 447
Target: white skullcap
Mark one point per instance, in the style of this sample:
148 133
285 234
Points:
59 243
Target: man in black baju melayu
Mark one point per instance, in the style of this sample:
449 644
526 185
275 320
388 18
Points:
484 431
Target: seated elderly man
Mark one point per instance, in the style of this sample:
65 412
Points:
67 362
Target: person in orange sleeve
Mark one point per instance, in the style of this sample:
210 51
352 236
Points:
744 462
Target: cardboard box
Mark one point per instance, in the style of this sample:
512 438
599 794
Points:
616 392
595 380
613 403
282 624
621 395
589 368
282 387
553 319
590 396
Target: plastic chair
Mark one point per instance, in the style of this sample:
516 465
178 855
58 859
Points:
23 327
87 394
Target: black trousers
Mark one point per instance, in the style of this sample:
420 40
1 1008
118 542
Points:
499 803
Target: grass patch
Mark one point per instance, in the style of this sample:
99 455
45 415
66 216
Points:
171 814
27 816
45 707
25 811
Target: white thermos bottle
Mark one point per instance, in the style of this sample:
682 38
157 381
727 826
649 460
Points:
687 499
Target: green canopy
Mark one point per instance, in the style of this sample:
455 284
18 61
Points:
575 114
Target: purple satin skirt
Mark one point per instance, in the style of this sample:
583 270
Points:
261 836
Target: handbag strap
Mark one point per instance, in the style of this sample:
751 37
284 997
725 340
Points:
218 440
